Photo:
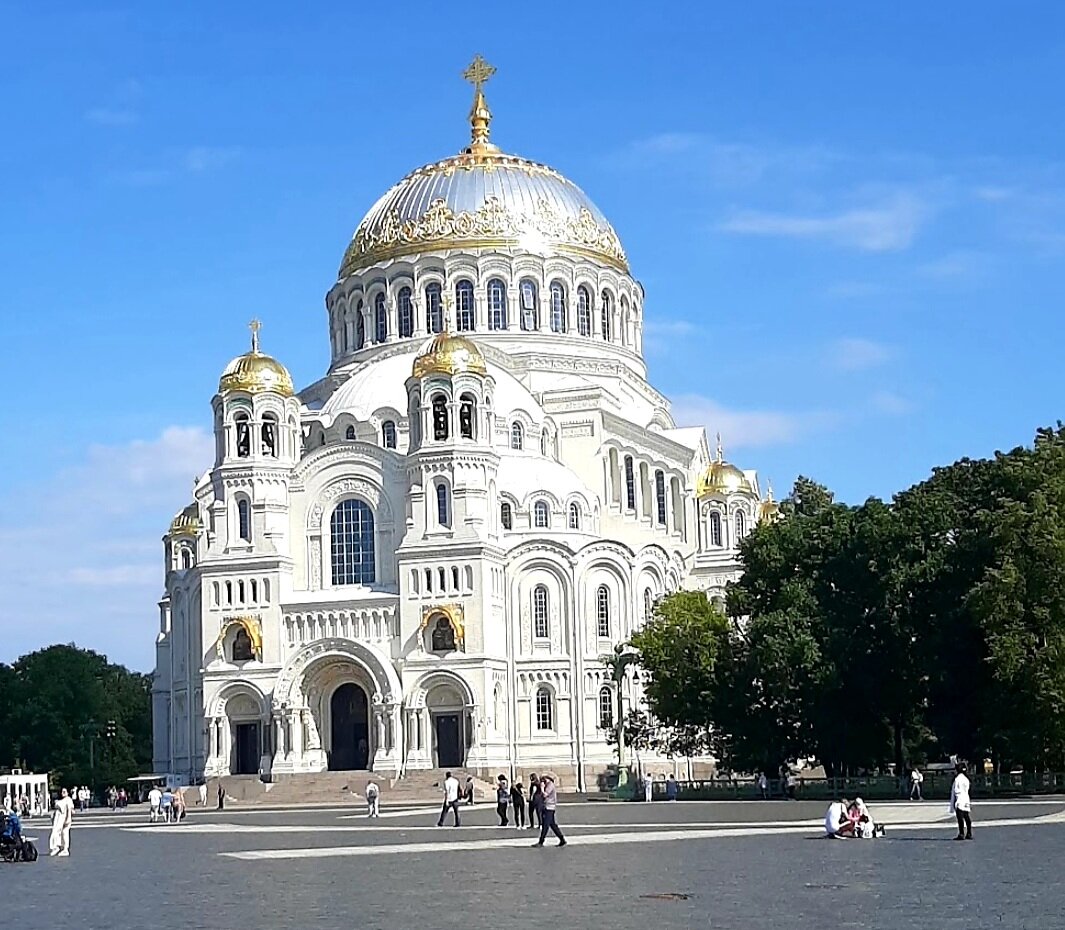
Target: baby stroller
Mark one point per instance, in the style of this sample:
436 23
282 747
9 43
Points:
13 848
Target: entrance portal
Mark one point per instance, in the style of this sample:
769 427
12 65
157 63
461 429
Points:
448 740
246 747
350 729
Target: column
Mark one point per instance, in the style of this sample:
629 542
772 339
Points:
296 725
513 309
417 306
392 308
596 310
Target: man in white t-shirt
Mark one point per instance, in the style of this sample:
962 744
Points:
373 800
155 800
915 785
451 799
837 823
62 816
961 804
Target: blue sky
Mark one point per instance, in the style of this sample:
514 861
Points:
849 219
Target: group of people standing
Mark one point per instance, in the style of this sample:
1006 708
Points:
165 806
541 803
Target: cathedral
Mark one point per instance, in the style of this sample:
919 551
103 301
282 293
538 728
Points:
420 560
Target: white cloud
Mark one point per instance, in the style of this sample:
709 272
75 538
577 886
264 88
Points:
851 354
81 550
669 327
111 116
890 403
747 428
954 266
889 226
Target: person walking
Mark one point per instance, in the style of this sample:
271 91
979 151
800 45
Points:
469 791
373 800
221 796
155 803
517 798
534 801
548 808
763 786
202 791
672 788
451 800
648 786
915 784
502 800
961 803
62 817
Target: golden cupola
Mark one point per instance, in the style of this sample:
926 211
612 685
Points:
723 478
449 354
256 373
769 509
187 522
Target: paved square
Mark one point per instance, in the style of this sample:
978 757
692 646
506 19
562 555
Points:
741 865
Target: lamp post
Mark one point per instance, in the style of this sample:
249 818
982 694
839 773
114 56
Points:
624 656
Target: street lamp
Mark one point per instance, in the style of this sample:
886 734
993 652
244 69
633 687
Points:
624 656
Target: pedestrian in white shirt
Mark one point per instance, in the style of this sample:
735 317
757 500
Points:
837 823
960 803
62 816
915 785
648 786
373 800
202 792
451 800
155 801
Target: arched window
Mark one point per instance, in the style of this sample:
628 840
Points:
715 528
440 425
388 434
360 327
497 304
434 312
243 435
506 516
381 318
648 605
602 612
574 518
558 307
541 515
630 484
543 442
660 497
406 312
540 628
414 418
244 519
349 433
242 647
352 543
467 416
443 511
605 315
464 306
624 321
517 436
584 311
530 305
268 432
186 559
606 708
741 525
545 709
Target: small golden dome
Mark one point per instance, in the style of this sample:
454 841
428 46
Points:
449 354
187 522
723 478
256 373
769 509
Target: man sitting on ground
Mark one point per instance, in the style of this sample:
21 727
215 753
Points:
837 823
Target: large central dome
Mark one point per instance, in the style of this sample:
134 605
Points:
483 198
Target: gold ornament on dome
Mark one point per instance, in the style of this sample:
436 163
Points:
449 354
187 522
769 509
255 373
722 478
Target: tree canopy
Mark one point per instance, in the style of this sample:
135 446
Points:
928 626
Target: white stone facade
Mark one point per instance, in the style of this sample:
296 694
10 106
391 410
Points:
524 520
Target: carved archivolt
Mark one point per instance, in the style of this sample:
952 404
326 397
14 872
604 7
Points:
355 486
290 681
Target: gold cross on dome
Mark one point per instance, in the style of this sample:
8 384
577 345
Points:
255 326
478 72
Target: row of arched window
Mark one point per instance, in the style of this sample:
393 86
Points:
240 593
558 309
715 524
388 434
268 435
545 708
541 514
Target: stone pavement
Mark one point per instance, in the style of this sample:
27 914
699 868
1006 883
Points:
735 865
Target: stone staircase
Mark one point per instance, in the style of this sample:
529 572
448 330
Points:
339 788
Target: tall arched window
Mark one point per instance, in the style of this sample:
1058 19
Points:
269 435
506 516
434 310
244 519
584 311
443 511
602 612
349 433
186 559
540 628
351 537
530 305
648 605
558 307
606 314
467 416
545 709
360 327
497 304
660 497
574 518
464 306
517 436
606 708
541 515
406 312
715 528
741 525
630 484
388 434
440 424
243 426
380 318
